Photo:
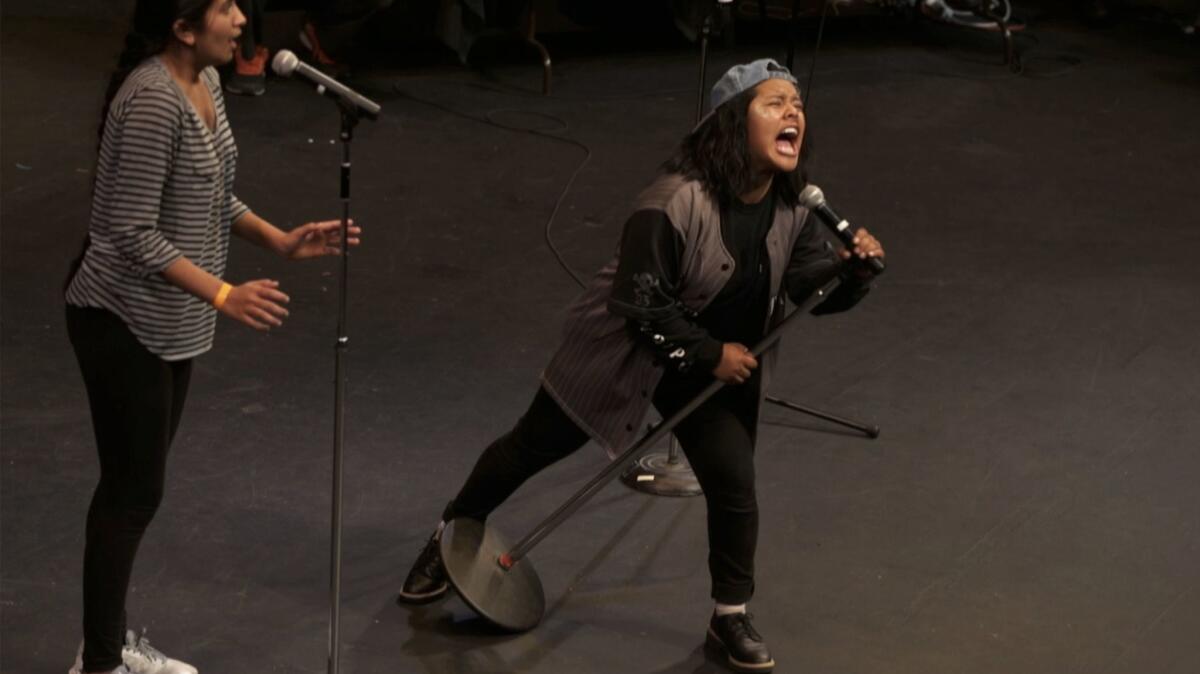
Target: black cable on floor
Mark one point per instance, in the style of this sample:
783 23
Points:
563 127
489 120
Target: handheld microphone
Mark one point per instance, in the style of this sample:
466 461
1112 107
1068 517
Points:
813 199
285 64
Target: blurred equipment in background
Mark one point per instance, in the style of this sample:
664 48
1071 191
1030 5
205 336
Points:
1182 13
986 15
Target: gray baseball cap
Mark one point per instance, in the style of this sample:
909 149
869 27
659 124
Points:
742 78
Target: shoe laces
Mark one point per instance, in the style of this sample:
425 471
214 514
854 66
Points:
142 646
431 549
740 622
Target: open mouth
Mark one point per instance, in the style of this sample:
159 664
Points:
787 143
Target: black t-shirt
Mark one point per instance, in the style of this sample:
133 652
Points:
739 312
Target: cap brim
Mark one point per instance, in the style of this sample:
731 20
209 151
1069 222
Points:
708 115
788 78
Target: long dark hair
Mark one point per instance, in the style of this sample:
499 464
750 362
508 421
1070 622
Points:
150 31
149 34
718 155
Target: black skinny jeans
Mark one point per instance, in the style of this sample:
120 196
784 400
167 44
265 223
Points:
136 400
717 438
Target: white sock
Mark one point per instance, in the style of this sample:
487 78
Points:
727 609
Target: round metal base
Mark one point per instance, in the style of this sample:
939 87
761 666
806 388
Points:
511 599
655 474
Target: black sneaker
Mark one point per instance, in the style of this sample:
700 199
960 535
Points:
426 581
734 636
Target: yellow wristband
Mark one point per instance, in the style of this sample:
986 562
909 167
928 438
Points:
223 293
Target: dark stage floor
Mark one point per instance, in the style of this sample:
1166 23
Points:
1031 357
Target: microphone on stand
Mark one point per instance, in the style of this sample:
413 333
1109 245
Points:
813 199
286 64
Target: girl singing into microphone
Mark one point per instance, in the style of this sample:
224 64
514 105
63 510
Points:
143 298
713 246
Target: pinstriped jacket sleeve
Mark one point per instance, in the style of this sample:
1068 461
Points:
140 151
645 291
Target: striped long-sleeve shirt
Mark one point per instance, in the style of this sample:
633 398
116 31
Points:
164 190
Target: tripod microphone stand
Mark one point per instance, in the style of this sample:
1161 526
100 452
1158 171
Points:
668 474
655 472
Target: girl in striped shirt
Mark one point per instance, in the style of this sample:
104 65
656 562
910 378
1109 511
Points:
142 300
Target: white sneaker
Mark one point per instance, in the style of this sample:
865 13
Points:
77 668
142 658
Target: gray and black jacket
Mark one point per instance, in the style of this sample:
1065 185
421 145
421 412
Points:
637 317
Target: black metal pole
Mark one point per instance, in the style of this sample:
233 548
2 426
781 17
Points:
705 31
349 119
870 430
673 477
793 30
522 548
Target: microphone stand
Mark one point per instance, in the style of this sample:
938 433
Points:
669 474
869 430
350 119
654 472
352 107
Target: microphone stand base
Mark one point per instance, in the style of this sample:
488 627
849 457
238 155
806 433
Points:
512 599
659 475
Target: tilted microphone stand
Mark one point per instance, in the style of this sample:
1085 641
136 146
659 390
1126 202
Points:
668 474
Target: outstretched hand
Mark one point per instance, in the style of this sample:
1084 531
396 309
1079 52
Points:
316 239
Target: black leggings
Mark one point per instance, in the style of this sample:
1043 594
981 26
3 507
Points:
718 440
136 399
